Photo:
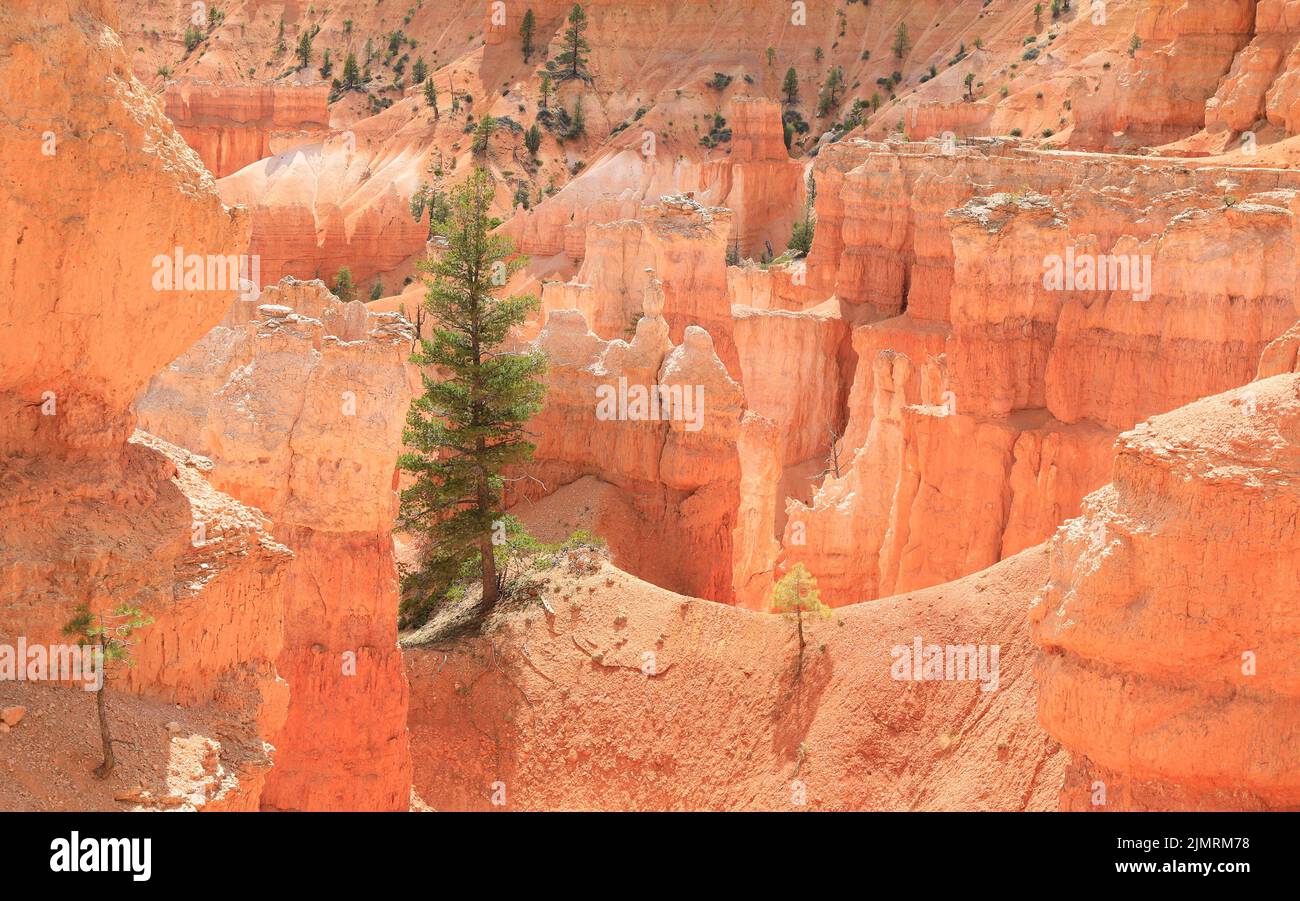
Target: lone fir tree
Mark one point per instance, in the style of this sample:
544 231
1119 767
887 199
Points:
533 139
469 424
526 28
571 61
790 87
304 49
351 73
111 634
797 593
902 41
431 96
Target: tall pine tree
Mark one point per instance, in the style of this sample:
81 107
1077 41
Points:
571 62
526 28
469 424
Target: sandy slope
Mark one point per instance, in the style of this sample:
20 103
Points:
571 711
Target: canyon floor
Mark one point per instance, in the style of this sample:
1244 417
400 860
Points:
988 314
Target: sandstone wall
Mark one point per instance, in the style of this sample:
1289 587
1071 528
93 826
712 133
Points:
676 242
1168 627
983 403
682 474
300 404
97 184
230 126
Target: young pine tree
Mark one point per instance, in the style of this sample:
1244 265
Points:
578 123
526 29
797 593
791 86
830 92
902 42
351 73
801 236
344 287
469 423
431 96
112 635
483 134
304 50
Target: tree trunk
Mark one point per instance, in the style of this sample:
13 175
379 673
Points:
798 670
489 571
105 768
489 560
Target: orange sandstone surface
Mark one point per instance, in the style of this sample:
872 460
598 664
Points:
1096 479
91 513
299 403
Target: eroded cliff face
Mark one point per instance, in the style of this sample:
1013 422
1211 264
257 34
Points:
300 399
315 210
231 126
756 179
92 514
987 392
660 422
1169 625
676 242
909 410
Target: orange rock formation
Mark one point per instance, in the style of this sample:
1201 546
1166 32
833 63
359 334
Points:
91 514
300 404
925 410
1168 665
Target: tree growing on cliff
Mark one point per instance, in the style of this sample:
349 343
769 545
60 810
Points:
526 28
533 139
902 42
304 49
544 92
351 73
571 62
482 134
111 635
431 96
791 86
801 235
433 200
830 92
469 424
797 594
